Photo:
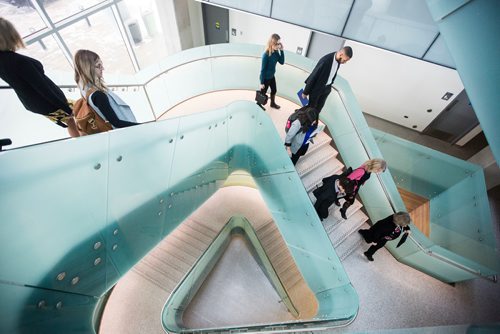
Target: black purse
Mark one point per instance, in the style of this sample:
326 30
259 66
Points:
261 98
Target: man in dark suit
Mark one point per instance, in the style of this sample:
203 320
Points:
384 230
319 82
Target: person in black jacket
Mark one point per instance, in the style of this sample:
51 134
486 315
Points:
334 188
26 76
89 77
384 230
320 81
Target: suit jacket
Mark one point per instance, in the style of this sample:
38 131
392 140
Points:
318 79
385 228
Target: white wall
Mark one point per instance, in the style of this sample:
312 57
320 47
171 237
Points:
390 86
256 30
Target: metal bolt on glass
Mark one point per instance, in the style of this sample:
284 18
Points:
97 245
97 166
75 280
61 276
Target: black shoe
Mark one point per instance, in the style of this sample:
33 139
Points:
337 203
275 106
368 256
342 213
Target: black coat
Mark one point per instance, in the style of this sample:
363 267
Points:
318 79
35 90
325 196
384 229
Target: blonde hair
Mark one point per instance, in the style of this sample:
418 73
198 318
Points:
401 218
85 69
375 165
272 40
10 40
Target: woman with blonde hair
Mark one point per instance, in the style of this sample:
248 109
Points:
274 53
359 176
89 78
384 230
27 78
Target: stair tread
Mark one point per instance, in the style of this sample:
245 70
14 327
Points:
313 178
344 229
310 162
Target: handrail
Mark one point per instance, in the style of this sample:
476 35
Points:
427 251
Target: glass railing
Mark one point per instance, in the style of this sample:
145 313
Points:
99 203
460 219
449 262
77 214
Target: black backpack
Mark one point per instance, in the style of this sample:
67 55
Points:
293 116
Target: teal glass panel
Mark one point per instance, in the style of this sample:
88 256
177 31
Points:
139 179
261 7
241 72
58 213
404 26
28 309
156 90
322 15
439 54
197 76
337 301
459 210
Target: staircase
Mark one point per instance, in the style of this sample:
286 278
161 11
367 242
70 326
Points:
320 161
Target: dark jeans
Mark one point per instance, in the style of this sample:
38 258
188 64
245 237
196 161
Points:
270 83
302 150
318 101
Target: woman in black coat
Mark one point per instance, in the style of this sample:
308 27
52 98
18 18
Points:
334 187
384 230
26 76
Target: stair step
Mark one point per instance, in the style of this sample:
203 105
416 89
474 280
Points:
154 276
311 162
163 267
349 245
194 233
344 229
170 259
321 140
312 179
183 248
184 235
334 218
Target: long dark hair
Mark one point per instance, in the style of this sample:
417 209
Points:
307 117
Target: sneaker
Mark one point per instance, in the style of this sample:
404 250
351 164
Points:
275 106
368 256
342 213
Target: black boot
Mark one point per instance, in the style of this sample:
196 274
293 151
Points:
343 213
273 103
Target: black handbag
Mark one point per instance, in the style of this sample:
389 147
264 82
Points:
261 98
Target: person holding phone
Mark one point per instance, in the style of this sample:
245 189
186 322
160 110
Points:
273 54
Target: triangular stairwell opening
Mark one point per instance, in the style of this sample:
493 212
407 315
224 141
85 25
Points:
234 276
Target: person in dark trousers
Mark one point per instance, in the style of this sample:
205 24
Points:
384 230
334 187
27 78
359 176
274 54
319 82
301 131
89 76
